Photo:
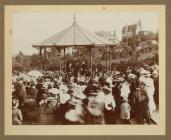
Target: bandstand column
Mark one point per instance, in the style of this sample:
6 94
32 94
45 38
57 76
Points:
91 60
40 51
59 57
45 59
106 58
109 59
65 60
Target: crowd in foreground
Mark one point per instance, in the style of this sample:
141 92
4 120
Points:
101 98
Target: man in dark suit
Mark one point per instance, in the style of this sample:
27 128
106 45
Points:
32 92
21 93
142 108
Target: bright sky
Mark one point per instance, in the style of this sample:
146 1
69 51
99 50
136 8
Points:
30 28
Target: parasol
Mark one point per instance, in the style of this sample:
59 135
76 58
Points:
35 73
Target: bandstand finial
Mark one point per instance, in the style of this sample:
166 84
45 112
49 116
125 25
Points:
74 17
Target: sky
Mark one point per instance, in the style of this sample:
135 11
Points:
31 28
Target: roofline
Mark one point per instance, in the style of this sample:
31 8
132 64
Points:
67 46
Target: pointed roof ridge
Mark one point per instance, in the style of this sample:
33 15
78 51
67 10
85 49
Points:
85 35
93 35
74 35
63 32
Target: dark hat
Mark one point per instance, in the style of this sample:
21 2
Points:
32 83
106 89
44 96
70 91
91 90
102 80
49 86
127 79
40 81
15 102
106 84
92 81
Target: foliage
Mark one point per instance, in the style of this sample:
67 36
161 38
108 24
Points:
21 62
126 49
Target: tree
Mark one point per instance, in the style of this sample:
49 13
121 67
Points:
21 62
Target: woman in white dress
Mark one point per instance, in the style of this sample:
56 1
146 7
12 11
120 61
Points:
149 87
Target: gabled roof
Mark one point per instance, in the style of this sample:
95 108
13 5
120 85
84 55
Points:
72 36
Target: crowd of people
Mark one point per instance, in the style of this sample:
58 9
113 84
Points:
84 98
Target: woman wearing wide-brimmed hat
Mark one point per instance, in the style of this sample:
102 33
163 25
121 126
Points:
109 102
94 114
148 83
75 110
48 107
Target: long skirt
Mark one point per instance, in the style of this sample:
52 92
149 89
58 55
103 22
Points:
16 122
109 117
152 105
68 122
47 119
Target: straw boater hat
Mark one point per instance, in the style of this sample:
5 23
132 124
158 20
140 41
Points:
77 92
75 101
155 72
147 73
44 96
109 80
83 87
54 91
120 79
129 70
45 86
63 88
74 85
146 65
125 99
32 82
142 71
51 99
132 76
64 97
96 78
56 81
40 81
81 79
79 95
139 69
117 72
155 67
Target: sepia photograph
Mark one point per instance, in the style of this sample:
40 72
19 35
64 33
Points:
85 67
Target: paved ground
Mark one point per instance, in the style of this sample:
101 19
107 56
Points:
155 116
154 119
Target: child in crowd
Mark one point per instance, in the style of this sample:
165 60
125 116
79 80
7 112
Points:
16 113
125 109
